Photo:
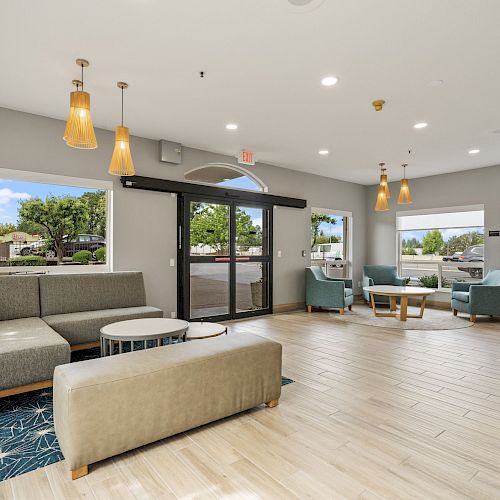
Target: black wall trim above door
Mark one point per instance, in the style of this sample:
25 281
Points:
167 186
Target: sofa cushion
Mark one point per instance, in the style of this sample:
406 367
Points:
461 296
83 327
68 293
381 275
29 352
347 292
19 297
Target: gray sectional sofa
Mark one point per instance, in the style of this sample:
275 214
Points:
43 318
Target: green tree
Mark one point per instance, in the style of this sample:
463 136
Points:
58 216
210 226
432 242
461 242
6 228
316 220
96 207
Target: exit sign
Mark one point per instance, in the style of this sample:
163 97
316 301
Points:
245 157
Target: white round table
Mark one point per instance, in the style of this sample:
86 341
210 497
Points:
140 330
403 292
203 330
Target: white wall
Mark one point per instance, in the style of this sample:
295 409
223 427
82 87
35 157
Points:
34 143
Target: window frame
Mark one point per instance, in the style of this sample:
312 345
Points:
63 180
436 211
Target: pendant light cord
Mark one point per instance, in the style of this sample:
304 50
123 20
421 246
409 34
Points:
122 106
82 77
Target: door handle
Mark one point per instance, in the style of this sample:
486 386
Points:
222 259
237 259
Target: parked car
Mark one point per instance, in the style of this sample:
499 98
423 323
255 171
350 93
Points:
472 254
90 242
326 251
34 248
452 258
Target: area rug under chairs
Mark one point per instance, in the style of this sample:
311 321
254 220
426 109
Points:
27 437
434 319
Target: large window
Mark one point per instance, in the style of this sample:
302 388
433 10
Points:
330 242
53 224
437 249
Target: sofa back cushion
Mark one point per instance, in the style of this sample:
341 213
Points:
67 293
381 275
19 297
492 278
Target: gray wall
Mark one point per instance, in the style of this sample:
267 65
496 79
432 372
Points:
472 187
34 143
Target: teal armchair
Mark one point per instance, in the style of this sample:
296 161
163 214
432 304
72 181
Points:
330 293
477 298
381 275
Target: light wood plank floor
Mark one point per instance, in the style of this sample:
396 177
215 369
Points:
373 414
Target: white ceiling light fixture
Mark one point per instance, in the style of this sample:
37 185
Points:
323 152
329 81
420 125
232 126
473 151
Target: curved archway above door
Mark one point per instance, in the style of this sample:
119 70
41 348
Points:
228 175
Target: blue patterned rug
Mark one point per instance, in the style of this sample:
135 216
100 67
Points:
27 437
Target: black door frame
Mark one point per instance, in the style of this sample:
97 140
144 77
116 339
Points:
184 259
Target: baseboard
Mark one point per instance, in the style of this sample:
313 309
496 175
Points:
281 308
88 345
26 388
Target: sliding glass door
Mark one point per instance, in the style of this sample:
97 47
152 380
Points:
225 253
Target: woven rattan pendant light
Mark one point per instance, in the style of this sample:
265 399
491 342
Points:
382 204
121 161
79 132
383 180
404 192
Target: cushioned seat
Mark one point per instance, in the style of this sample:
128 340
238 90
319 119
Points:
461 296
347 292
330 293
84 327
29 352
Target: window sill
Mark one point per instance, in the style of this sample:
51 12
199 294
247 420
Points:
54 269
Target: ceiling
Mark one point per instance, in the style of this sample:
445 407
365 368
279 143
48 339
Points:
263 62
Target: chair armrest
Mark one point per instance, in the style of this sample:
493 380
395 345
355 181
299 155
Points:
347 281
367 281
331 286
399 281
485 296
458 286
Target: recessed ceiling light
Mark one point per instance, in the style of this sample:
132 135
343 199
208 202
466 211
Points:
473 151
420 125
323 152
231 126
328 81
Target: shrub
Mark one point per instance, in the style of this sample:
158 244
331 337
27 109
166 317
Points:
100 254
83 257
408 251
432 281
28 260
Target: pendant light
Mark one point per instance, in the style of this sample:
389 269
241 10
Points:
79 132
383 180
382 204
404 192
121 161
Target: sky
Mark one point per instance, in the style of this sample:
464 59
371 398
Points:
11 192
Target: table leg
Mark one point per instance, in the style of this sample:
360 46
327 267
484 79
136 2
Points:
120 346
372 298
392 302
403 313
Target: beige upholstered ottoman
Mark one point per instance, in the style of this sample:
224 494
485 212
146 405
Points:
106 406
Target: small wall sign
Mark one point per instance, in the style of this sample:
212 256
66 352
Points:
494 233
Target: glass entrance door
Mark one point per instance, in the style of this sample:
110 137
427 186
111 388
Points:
226 258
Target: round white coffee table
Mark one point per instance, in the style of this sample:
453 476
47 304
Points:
204 330
404 292
140 330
